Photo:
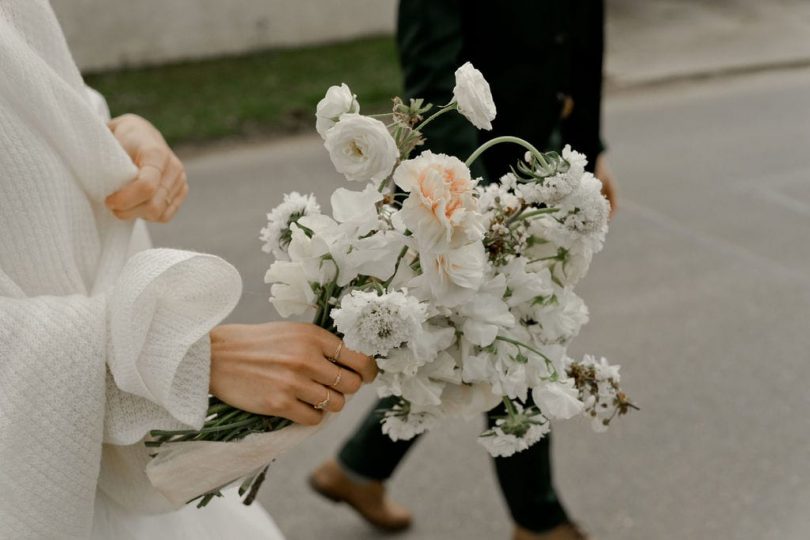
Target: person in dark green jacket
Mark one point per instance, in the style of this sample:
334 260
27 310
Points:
543 61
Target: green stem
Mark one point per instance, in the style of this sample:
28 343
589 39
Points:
402 253
452 106
507 139
521 344
510 407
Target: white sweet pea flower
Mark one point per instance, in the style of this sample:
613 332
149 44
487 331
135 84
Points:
474 97
468 401
356 210
559 320
291 294
441 210
558 400
373 324
453 277
311 254
361 148
524 286
374 256
486 313
277 234
338 101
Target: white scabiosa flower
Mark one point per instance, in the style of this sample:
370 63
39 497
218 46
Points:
441 209
552 189
361 148
338 101
373 324
474 97
278 233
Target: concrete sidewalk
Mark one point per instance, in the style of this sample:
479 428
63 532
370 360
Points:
651 41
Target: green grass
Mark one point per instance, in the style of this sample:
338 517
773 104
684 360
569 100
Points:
269 92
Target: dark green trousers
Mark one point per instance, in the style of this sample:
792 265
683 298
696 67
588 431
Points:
525 477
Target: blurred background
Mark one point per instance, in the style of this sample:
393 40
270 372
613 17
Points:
702 293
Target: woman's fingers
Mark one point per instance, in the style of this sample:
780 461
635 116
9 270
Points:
332 347
303 413
316 394
335 376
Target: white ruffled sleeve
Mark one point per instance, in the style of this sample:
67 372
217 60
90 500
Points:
160 312
149 334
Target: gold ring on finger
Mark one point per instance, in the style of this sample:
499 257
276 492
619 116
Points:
325 403
336 357
338 378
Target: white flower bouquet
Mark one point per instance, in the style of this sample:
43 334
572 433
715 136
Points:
462 292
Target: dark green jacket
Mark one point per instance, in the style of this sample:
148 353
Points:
532 52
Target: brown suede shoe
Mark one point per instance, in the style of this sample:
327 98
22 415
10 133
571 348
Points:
368 499
565 531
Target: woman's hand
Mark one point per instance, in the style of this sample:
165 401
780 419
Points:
284 369
161 185
605 175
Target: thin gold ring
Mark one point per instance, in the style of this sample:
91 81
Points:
336 357
325 403
338 378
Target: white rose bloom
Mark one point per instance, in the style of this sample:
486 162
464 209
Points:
291 294
558 400
374 324
277 235
441 210
361 148
454 277
338 101
474 97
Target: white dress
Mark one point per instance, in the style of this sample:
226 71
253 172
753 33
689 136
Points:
100 339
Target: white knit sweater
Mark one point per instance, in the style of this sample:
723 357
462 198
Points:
96 346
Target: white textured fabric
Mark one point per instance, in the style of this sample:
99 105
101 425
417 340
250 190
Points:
97 345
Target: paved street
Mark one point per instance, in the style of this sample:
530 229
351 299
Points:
702 294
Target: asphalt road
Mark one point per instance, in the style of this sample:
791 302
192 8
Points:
702 294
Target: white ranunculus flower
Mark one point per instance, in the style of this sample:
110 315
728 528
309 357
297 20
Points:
373 324
441 210
455 276
558 400
338 101
474 97
291 294
361 148
277 235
